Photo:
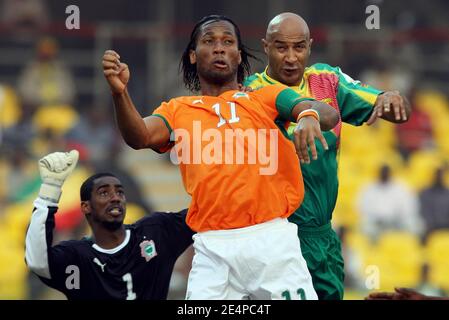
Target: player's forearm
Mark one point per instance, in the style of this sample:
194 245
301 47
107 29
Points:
131 125
328 116
39 237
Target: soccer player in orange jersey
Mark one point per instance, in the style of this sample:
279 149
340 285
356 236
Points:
236 163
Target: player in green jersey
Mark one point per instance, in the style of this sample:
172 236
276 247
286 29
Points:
287 45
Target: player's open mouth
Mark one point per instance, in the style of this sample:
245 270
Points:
290 70
220 64
115 211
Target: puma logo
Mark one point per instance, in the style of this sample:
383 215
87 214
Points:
100 264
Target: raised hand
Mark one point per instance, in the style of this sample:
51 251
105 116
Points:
54 170
391 106
116 73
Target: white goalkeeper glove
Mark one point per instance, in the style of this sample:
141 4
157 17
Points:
54 169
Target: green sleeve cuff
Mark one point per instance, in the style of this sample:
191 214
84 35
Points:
286 100
165 121
170 143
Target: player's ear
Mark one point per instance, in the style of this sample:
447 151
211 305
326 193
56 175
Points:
240 57
192 56
265 46
310 46
85 208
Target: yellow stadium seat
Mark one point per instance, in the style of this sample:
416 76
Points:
359 139
16 219
358 248
358 241
398 241
59 118
437 254
441 134
399 258
345 215
437 245
351 294
434 103
13 272
421 169
385 134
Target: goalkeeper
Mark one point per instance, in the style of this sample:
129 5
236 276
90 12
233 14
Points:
119 261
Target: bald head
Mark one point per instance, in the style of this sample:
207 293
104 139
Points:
287 45
287 23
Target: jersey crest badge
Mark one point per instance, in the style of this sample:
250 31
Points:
148 250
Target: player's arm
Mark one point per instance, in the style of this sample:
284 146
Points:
40 257
361 103
390 106
312 117
328 116
178 233
138 133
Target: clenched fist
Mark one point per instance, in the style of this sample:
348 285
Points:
54 169
115 72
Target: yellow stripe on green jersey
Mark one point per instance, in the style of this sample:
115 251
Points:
354 101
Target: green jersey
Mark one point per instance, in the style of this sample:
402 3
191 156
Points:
354 101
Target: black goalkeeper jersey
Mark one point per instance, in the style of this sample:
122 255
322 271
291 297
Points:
139 268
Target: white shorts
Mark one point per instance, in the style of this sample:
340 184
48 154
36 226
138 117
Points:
263 261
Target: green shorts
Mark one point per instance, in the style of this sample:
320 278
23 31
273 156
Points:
321 248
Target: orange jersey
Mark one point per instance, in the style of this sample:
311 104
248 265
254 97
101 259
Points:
235 162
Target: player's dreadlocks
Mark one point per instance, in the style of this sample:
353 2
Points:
190 75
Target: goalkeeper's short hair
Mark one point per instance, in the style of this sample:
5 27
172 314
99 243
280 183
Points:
88 184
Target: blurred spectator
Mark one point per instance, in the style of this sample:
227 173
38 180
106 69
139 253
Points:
383 76
434 204
22 178
24 17
57 118
95 132
416 133
21 133
388 205
47 141
9 108
46 80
